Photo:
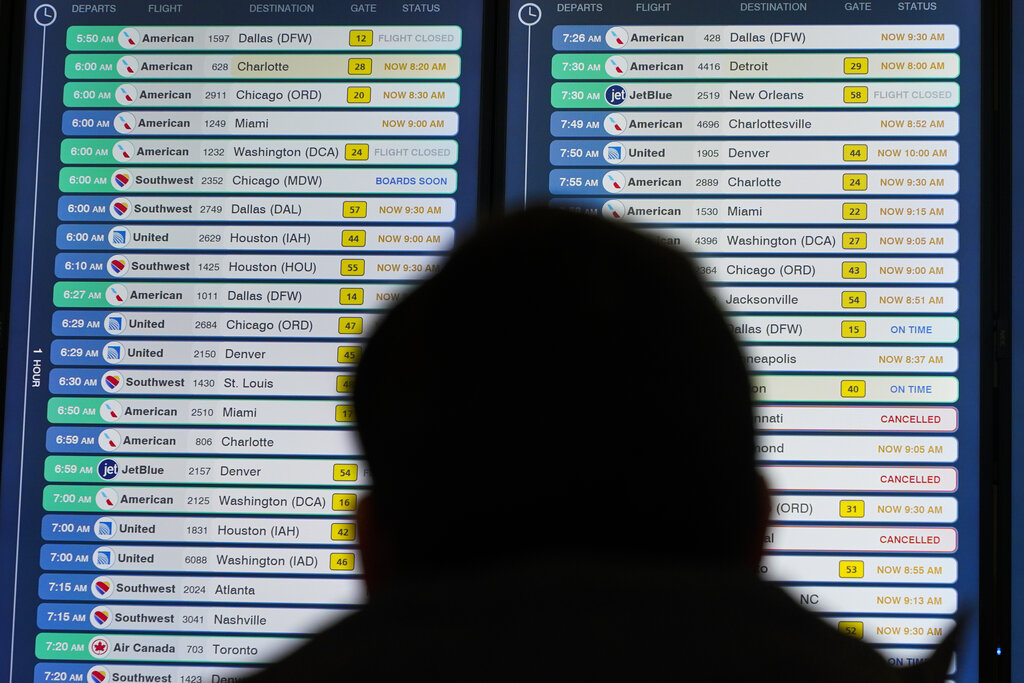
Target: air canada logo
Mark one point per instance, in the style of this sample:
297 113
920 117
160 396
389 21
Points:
615 94
99 647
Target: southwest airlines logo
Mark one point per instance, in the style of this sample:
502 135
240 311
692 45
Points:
100 617
120 208
102 586
98 674
116 265
121 179
112 381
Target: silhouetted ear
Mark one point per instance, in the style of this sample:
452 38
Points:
374 547
936 669
763 506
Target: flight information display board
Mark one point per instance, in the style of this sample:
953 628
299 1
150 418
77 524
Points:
821 160
215 202
1015 513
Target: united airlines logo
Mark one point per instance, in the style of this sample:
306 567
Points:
103 557
114 323
117 237
105 527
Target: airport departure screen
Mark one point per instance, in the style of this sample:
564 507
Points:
215 202
820 159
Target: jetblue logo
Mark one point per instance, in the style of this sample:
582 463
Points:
107 469
615 94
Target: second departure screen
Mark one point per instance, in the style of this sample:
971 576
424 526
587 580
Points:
820 159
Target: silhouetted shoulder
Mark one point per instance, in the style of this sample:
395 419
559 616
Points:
585 620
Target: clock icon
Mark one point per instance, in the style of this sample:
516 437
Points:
45 15
529 14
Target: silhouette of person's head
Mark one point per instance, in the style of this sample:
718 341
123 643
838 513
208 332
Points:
561 385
